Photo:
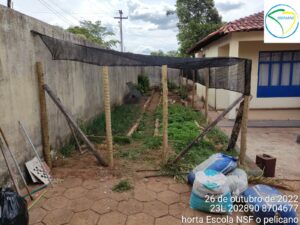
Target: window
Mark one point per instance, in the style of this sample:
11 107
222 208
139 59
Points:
279 74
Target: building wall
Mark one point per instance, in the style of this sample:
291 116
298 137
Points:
245 45
78 85
251 50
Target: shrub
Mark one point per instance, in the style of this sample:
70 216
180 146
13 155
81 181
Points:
143 84
183 93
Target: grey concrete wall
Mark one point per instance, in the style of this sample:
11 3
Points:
78 85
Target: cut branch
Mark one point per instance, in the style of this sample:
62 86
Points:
206 130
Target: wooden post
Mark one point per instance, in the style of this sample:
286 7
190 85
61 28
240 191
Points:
165 111
180 78
206 94
244 130
106 101
194 88
44 115
236 128
186 81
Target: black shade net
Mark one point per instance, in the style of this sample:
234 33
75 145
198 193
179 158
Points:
224 72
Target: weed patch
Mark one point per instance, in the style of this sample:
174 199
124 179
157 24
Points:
122 186
153 142
122 118
182 130
67 150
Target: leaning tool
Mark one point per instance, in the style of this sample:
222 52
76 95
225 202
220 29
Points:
16 163
35 151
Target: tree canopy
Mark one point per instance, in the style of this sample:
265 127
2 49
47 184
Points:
197 19
94 32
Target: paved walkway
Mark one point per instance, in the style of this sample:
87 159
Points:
275 141
152 202
78 202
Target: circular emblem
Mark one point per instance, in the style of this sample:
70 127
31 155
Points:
282 21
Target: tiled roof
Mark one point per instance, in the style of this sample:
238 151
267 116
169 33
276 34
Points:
253 22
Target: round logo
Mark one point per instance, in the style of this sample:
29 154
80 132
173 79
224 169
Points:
282 21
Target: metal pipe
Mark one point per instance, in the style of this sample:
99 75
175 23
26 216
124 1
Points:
14 179
17 164
35 151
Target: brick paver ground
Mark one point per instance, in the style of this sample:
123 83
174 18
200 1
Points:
92 202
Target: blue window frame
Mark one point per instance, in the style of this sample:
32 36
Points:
279 74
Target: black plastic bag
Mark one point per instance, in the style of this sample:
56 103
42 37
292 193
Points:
13 208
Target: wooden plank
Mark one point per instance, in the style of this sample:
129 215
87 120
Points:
43 114
244 130
165 112
106 101
206 130
236 128
74 124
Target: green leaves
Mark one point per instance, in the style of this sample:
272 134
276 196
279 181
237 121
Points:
197 19
94 32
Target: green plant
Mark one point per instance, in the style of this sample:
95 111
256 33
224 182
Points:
143 84
123 185
182 92
122 118
67 150
182 129
153 142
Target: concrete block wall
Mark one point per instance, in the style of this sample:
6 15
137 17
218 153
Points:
78 85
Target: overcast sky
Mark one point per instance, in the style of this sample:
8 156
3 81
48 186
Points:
147 29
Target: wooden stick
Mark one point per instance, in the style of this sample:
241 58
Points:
137 123
106 100
37 200
165 112
43 114
10 170
74 124
244 130
16 163
156 129
206 94
236 128
206 130
194 88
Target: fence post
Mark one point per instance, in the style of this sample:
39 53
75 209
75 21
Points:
106 101
186 81
206 94
165 111
180 78
194 88
44 115
244 130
